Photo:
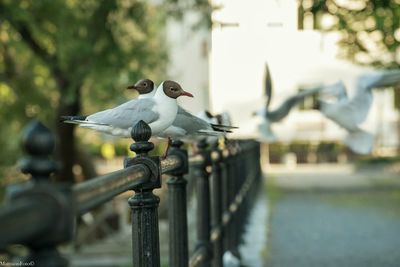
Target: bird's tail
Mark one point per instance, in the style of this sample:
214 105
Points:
360 142
223 128
210 133
73 119
217 130
81 121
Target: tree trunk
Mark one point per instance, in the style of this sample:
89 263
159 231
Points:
85 161
68 104
66 142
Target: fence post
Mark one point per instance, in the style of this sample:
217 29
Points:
39 143
203 204
225 197
230 178
216 207
144 204
235 166
177 218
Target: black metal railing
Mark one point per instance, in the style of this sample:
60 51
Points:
40 214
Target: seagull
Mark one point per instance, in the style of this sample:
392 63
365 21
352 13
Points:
186 126
191 128
158 112
268 117
357 139
224 118
358 106
145 87
350 112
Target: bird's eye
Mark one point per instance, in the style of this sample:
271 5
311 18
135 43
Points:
173 89
145 84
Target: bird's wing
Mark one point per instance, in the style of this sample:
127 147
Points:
342 113
360 105
127 114
336 90
268 85
378 79
360 141
189 122
363 97
284 109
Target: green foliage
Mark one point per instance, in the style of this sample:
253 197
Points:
374 160
57 51
202 8
370 29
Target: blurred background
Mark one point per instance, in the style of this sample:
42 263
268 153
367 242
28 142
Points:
68 57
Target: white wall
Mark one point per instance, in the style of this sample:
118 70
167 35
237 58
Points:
188 60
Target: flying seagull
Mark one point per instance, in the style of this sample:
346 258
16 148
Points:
268 117
158 112
334 96
350 112
357 107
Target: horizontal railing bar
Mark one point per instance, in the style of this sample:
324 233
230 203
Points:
24 220
96 191
198 256
170 163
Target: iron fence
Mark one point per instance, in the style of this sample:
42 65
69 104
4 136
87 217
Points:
41 214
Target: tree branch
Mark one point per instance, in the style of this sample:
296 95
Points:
31 42
22 28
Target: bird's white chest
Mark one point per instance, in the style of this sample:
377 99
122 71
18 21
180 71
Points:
167 114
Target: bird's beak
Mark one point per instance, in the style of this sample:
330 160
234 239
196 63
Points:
186 94
131 87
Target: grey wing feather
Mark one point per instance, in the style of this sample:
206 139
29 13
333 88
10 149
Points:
189 122
128 114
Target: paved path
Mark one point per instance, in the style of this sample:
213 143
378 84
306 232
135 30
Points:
337 217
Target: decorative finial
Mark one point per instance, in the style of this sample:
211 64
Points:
202 144
37 139
39 144
141 134
177 143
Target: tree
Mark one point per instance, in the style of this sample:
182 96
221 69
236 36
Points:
54 51
370 29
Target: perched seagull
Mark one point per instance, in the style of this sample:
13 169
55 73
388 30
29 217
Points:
145 87
212 120
190 128
158 112
185 126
